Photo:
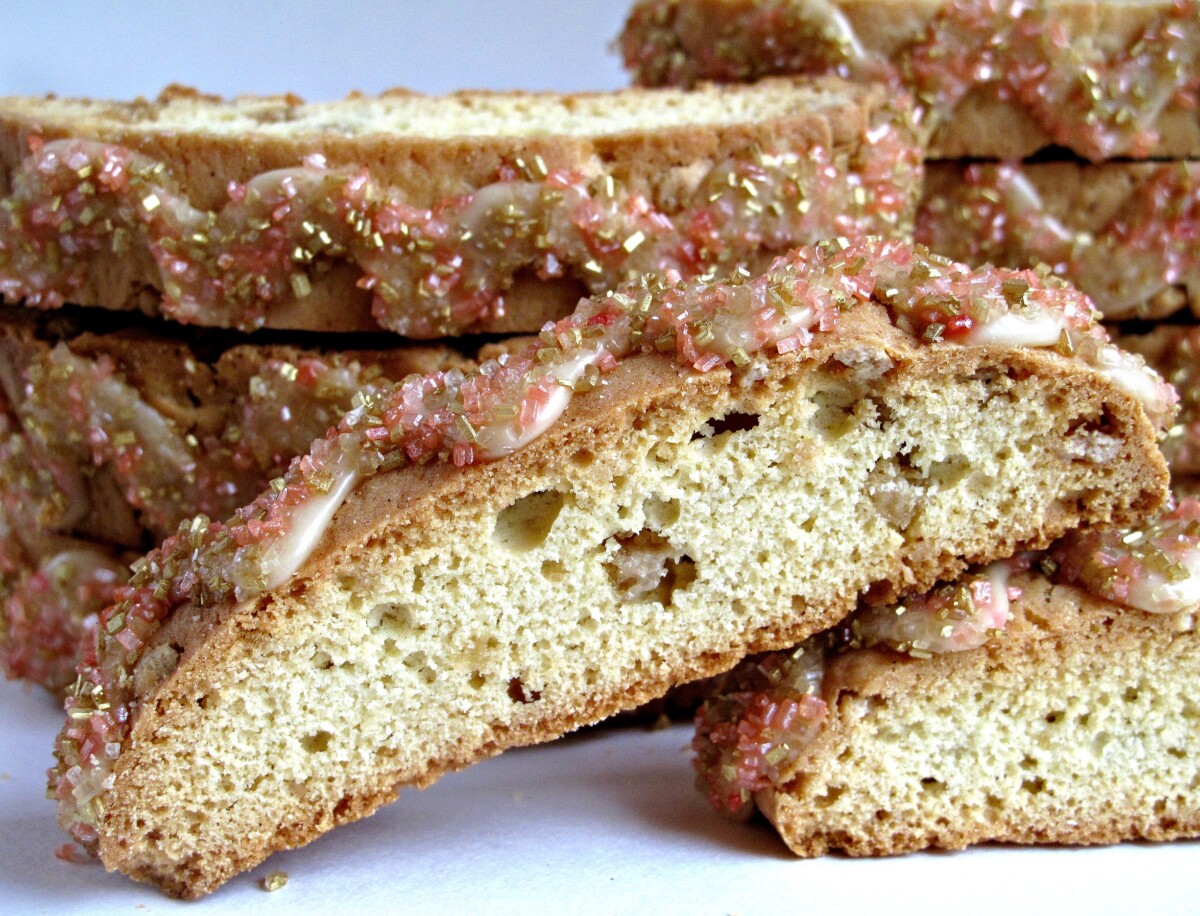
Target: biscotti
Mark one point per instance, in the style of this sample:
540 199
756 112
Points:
994 80
1123 232
1027 705
472 562
112 438
429 215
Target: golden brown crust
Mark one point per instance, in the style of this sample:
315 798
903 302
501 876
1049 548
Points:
440 512
681 41
663 161
1103 750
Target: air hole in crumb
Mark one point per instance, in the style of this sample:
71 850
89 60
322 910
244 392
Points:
418 661
584 458
321 660
647 567
931 786
735 422
1130 695
1028 763
553 571
519 693
1034 786
317 743
834 416
476 680
1054 717
395 619
661 513
526 523
202 702
385 754
949 472
829 796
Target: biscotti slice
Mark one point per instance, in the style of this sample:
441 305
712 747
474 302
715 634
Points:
1125 233
994 80
671 478
1046 700
110 438
432 215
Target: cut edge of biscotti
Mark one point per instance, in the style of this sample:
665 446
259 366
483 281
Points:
952 750
399 113
665 528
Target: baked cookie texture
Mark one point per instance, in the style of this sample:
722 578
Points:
1077 724
110 438
993 80
451 612
432 216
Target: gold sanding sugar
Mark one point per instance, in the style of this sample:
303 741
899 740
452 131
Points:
274 881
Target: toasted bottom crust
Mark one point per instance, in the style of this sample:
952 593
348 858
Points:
450 614
1079 724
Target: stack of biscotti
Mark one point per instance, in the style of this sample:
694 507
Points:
472 560
1047 699
419 215
872 738
1086 88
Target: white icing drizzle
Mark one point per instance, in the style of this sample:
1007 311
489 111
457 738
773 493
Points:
1014 329
1131 374
1157 594
834 28
77 564
309 521
503 439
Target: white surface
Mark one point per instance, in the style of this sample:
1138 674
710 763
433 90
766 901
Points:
607 823
317 50
602 823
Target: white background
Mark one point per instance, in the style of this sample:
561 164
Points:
316 50
606 823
